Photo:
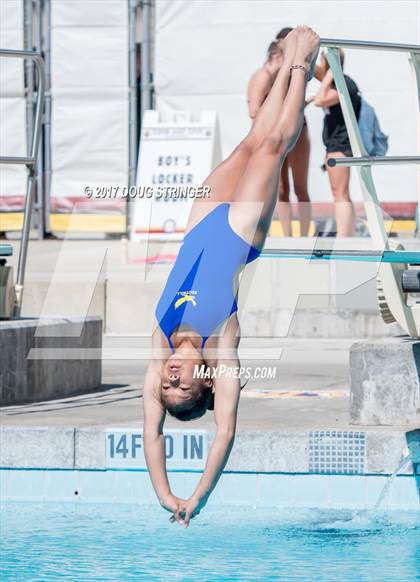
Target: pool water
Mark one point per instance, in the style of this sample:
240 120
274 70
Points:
84 542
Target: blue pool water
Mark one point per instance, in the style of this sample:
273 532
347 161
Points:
84 542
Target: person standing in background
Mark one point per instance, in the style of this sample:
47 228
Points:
298 159
337 143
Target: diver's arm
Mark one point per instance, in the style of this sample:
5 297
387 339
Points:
225 411
153 439
226 408
227 392
154 443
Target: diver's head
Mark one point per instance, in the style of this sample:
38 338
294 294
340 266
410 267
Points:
186 391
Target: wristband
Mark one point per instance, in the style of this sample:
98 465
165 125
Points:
302 67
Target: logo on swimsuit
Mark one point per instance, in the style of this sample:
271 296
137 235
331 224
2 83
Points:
186 296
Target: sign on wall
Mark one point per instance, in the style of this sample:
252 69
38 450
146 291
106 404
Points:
177 152
184 449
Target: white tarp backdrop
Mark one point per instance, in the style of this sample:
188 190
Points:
206 50
89 84
12 106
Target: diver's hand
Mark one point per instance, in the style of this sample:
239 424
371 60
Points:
189 510
172 503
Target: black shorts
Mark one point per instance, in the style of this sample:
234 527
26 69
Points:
342 147
337 140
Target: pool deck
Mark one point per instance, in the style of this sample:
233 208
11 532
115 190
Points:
317 368
276 417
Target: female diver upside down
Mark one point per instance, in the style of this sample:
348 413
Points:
196 316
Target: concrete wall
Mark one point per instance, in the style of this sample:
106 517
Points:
53 358
385 382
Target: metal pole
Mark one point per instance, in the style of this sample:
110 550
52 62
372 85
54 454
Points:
132 112
30 99
40 163
23 251
415 63
29 71
46 10
372 45
373 161
146 85
15 160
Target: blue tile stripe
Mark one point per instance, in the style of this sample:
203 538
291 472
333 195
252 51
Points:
251 489
135 470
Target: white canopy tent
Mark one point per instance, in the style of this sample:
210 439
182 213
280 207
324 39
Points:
12 107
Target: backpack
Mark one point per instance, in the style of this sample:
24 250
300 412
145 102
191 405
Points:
374 140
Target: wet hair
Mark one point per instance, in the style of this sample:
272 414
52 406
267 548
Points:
195 408
283 33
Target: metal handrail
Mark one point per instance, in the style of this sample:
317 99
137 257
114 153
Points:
22 161
373 161
39 62
373 45
30 162
395 301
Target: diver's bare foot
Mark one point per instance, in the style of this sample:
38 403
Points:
307 48
288 47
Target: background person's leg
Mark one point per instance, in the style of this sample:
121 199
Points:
339 177
284 206
299 163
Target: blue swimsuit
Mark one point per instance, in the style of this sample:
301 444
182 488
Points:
200 291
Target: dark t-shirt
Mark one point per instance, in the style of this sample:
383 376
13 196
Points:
334 134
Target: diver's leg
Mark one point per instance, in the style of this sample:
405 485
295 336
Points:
259 183
224 179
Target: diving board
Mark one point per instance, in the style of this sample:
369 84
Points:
6 250
372 256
